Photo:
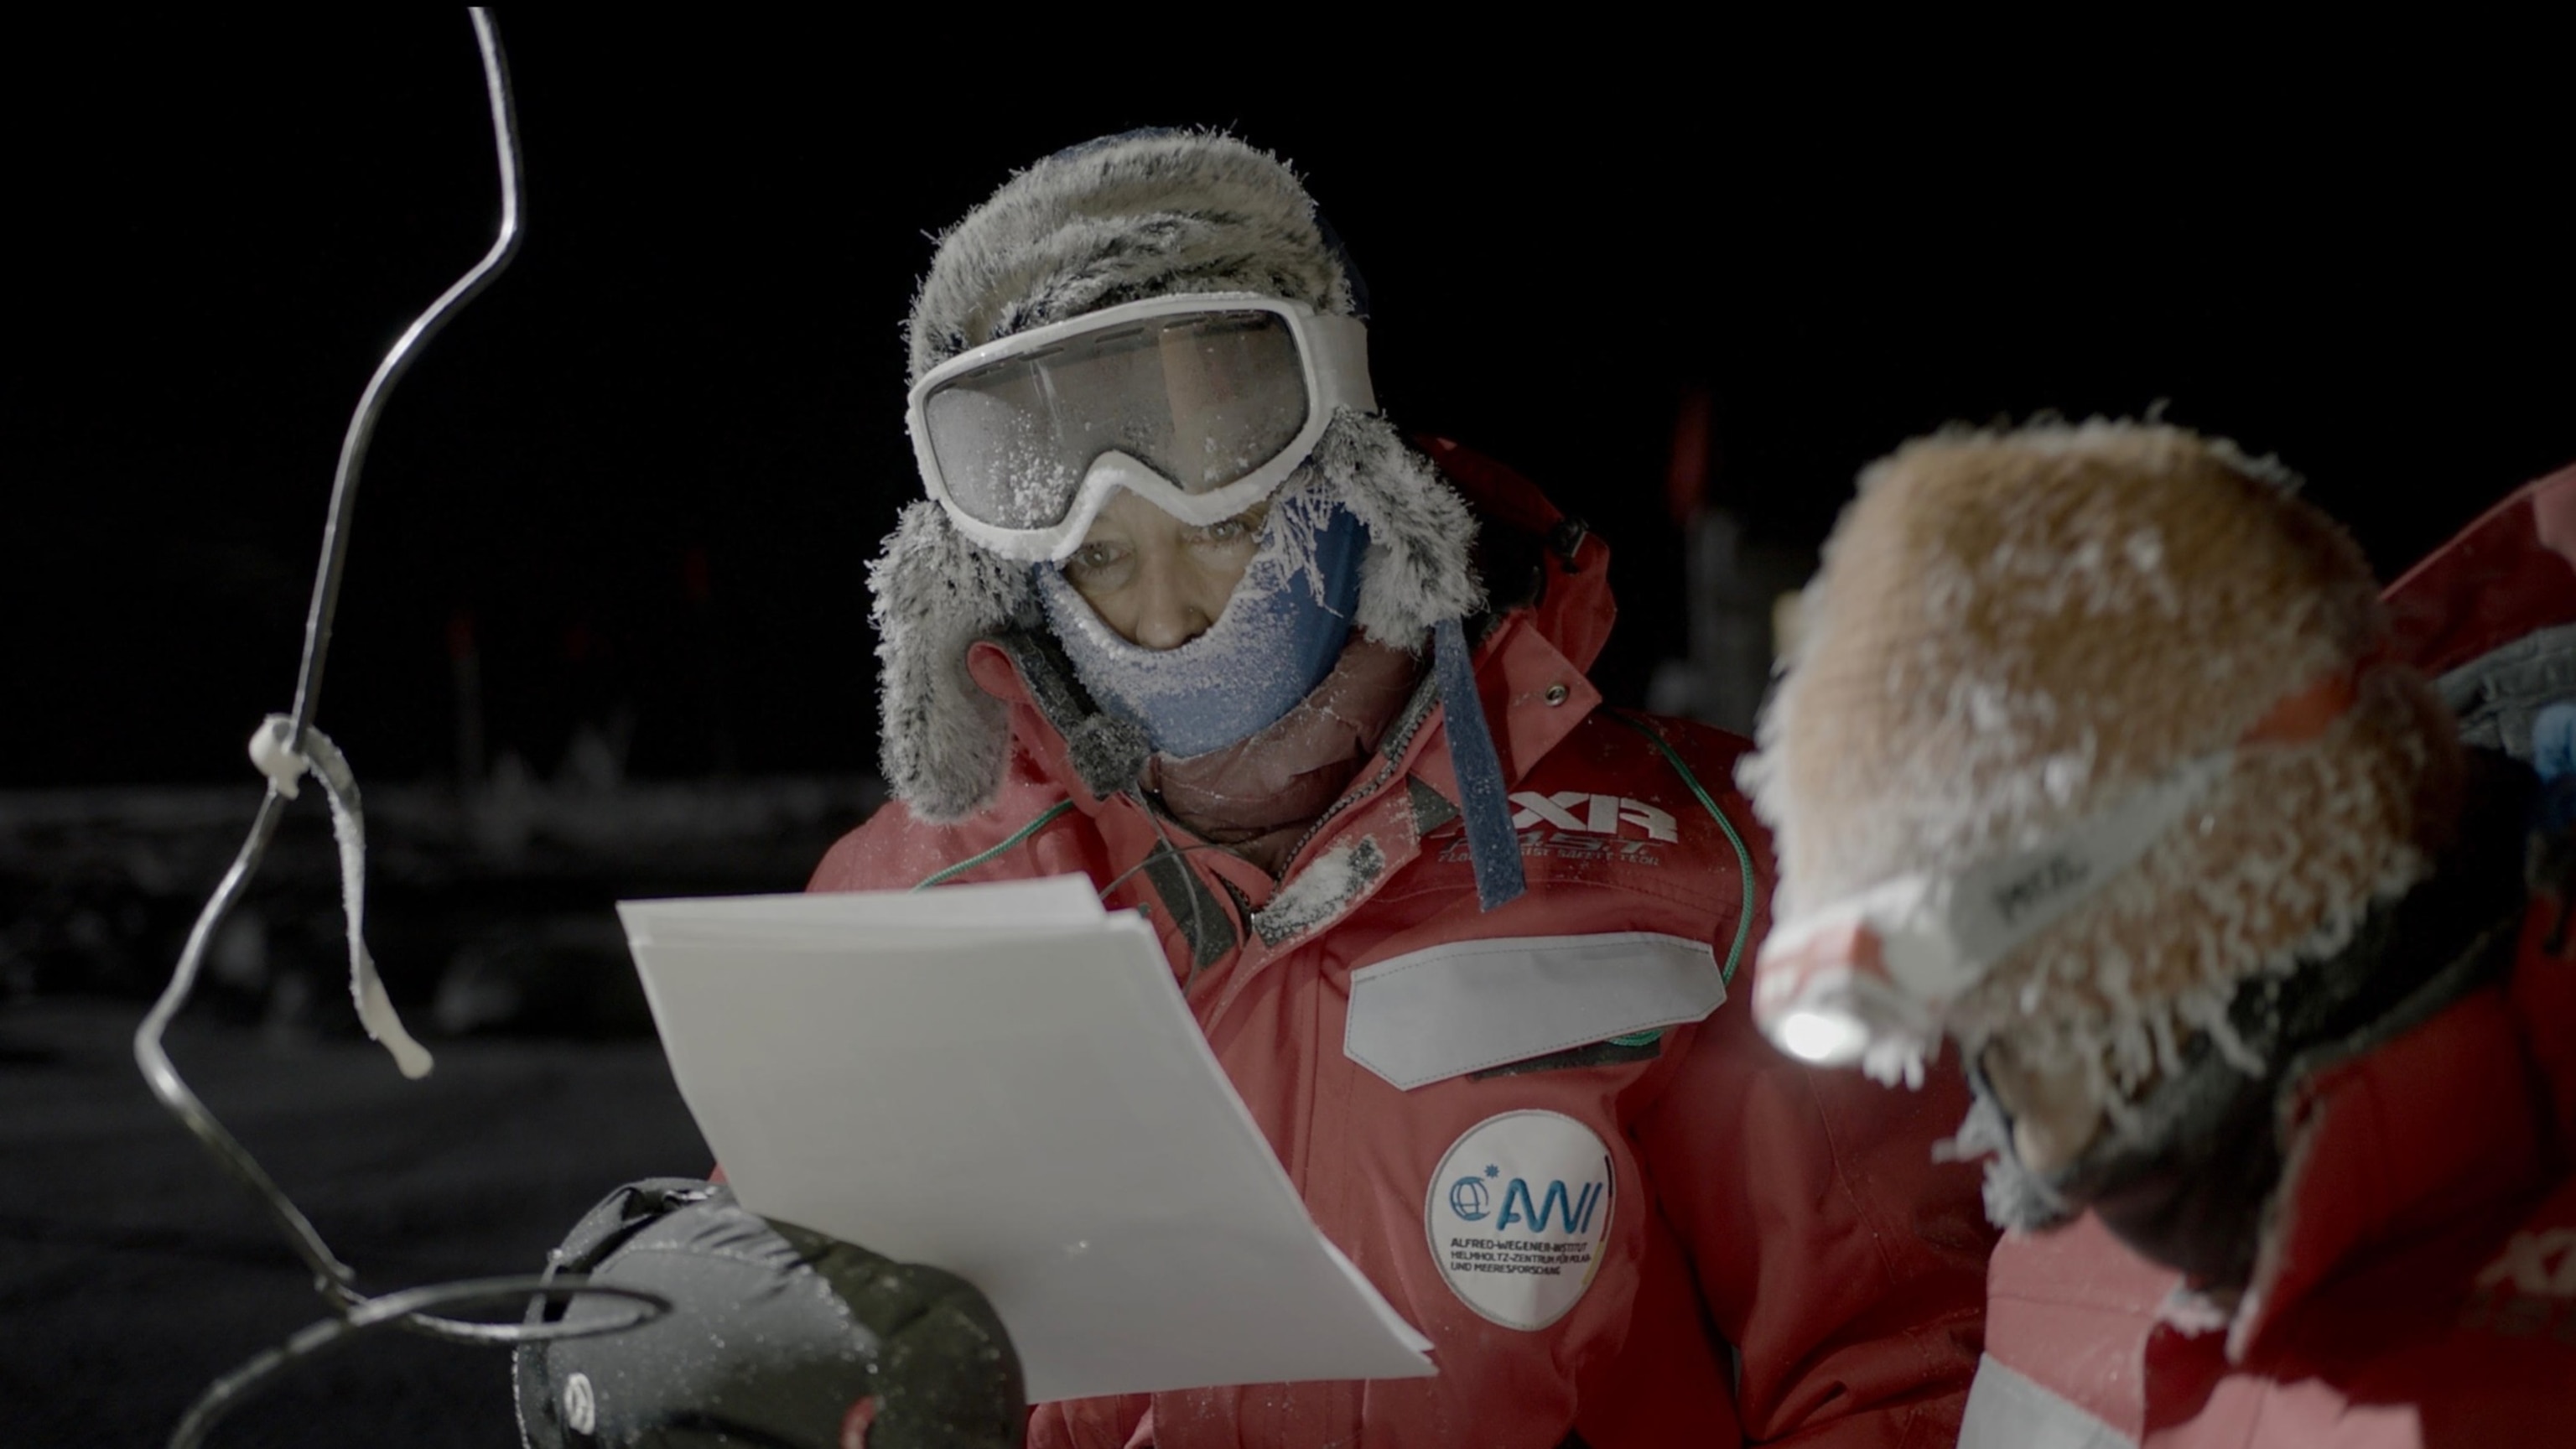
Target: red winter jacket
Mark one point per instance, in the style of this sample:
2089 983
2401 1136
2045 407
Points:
2417 1281
1651 1228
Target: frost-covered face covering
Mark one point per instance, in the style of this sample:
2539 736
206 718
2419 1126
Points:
1278 636
1202 404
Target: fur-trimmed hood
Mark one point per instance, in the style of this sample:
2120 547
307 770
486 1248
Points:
1142 215
1147 214
2015 631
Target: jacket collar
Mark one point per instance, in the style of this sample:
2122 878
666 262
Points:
2508 574
2399 1093
1534 693
2390 1128
2391 1135
1547 578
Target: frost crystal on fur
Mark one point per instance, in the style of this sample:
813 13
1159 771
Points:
943 740
1415 573
1146 215
2013 630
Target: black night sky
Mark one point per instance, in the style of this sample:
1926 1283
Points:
639 480
644 472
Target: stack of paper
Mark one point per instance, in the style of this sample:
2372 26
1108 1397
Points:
1003 1081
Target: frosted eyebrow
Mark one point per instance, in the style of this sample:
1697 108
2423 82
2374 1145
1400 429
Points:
1251 519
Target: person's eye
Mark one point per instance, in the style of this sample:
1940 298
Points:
1093 560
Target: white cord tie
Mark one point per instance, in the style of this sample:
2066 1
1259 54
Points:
270 751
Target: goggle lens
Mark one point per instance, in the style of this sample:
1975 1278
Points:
1203 398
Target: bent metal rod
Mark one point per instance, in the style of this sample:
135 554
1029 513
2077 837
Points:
285 748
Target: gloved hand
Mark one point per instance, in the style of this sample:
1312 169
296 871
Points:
777 1335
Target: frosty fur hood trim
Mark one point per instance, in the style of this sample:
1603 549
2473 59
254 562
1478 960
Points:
941 740
2012 630
1147 214
945 742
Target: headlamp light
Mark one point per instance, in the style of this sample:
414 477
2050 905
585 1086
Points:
1866 979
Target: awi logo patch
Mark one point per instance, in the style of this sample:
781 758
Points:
1516 1214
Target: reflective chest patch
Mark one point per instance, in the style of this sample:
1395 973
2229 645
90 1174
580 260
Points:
1516 1215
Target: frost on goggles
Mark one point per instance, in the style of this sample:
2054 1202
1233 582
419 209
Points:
1202 398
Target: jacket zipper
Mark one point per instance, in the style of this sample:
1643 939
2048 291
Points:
1407 725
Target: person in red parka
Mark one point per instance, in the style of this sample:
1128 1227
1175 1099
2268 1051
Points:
1184 614
2235 885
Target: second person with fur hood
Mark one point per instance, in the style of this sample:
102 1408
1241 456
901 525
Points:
1185 614
2103 757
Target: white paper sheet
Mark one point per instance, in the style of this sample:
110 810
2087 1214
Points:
1004 1082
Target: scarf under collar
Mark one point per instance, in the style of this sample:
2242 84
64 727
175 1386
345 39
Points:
1258 796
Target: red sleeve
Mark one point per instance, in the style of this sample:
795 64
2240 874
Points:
1847 1268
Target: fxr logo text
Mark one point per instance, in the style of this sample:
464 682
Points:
1601 814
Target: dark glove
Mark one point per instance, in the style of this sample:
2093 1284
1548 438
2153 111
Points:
777 1335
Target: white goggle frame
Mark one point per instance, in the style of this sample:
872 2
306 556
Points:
1331 349
1866 979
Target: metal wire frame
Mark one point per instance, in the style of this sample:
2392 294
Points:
406 1309
354 1311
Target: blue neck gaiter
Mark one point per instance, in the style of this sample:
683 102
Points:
1281 633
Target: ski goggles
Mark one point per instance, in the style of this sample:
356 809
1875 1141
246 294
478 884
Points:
1867 979
1201 404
